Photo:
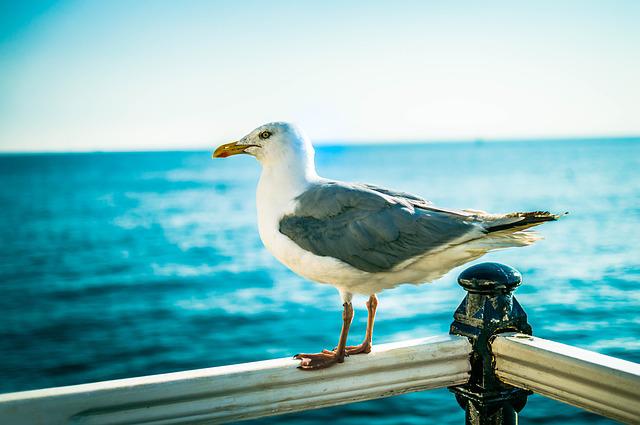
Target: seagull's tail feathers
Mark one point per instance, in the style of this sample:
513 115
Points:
518 221
501 231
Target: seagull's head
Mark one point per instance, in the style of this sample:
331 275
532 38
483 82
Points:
270 143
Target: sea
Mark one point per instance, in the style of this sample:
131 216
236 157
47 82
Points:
117 265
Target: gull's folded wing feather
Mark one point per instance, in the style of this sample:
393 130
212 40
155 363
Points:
413 199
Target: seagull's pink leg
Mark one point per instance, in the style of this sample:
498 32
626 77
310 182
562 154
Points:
327 358
365 347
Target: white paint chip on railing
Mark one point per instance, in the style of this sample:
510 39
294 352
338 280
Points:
244 391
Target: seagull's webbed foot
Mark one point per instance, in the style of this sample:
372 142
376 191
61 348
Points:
364 348
319 360
328 358
350 350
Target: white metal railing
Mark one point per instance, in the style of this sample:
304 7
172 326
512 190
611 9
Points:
244 391
601 384
595 382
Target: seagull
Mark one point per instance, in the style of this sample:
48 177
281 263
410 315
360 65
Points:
361 238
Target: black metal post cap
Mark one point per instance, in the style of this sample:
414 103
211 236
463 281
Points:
490 278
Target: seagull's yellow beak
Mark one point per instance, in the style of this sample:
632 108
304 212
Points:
229 149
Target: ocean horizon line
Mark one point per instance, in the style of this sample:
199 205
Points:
339 143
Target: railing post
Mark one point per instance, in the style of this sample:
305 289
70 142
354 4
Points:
488 309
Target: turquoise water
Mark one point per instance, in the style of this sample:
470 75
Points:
127 264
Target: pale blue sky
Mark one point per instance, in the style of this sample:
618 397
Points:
111 75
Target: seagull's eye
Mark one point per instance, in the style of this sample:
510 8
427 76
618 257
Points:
265 135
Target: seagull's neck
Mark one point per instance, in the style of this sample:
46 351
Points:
285 175
283 178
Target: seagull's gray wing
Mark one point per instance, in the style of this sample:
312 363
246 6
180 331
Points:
369 228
